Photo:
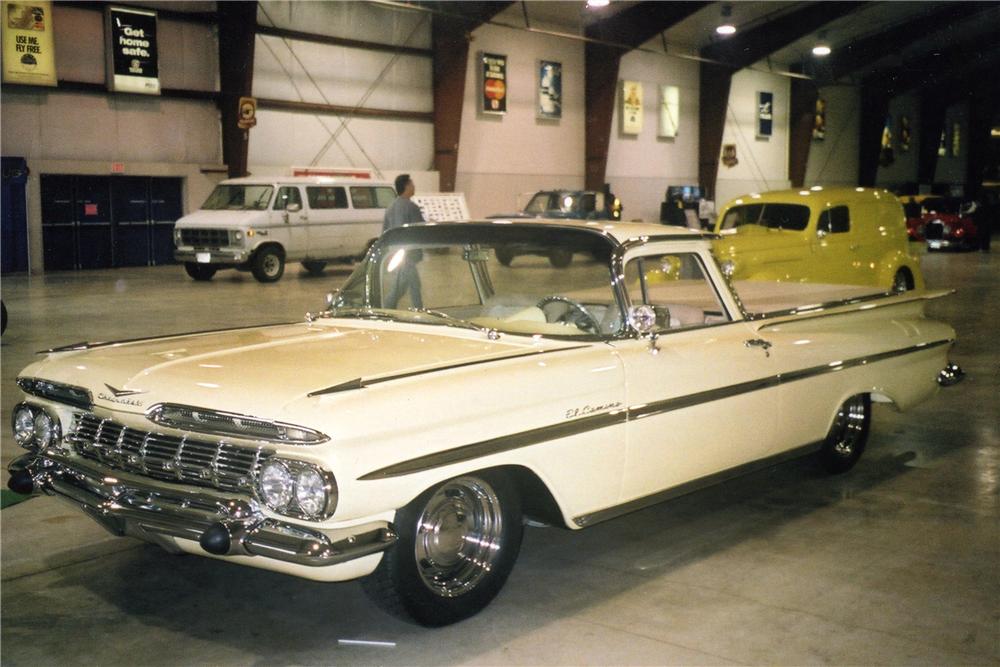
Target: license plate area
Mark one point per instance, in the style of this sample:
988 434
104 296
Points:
203 257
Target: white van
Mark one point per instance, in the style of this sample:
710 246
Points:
258 224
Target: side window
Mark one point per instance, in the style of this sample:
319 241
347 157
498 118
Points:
587 204
362 198
836 220
326 197
384 197
677 288
287 195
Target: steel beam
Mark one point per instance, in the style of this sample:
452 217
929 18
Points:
801 116
237 28
874 108
932 113
330 40
713 100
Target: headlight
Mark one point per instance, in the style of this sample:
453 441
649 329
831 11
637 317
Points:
23 424
46 430
728 268
177 236
276 485
298 489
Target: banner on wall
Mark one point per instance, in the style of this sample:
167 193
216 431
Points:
670 111
904 134
132 63
493 83
631 107
819 120
956 139
549 90
29 54
765 114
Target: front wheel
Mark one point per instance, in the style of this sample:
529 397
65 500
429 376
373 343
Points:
457 545
268 265
848 435
199 272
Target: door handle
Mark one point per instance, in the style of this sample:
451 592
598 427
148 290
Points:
758 342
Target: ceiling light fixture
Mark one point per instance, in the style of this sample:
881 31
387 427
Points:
597 4
822 47
726 28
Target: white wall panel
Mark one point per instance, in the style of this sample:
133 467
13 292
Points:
763 164
834 161
501 157
353 20
284 139
640 167
189 55
79 37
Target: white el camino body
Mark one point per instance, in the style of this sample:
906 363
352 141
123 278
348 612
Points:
375 438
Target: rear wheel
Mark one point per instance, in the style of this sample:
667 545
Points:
457 545
314 267
902 281
848 435
268 265
199 271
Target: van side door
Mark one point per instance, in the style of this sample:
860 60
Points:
288 220
837 249
328 210
369 202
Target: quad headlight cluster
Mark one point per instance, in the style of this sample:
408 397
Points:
295 488
34 428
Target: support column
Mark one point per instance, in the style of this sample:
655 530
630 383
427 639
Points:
932 112
451 58
237 29
600 87
977 142
801 116
874 109
713 100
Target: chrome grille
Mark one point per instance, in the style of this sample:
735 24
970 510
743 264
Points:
208 463
205 238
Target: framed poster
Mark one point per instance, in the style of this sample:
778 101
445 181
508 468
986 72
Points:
670 111
549 104
493 83
29 54
956 139
819 120
765 114
631 107
729 155
133 65
904 134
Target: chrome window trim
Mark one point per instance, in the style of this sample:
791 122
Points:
154 414
593 422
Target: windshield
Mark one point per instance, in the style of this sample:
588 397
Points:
238 198
772 216
553 202
515 279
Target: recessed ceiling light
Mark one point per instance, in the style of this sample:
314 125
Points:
725 29
821 50
595 4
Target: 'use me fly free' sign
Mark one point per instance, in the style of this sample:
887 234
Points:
132 65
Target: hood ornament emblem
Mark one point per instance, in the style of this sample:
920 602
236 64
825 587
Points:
121 393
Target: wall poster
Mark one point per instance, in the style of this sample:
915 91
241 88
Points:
549 90
819 120
29 54
905 134
670 111
729 155
133 65
493 83
765 114
631 107
956 139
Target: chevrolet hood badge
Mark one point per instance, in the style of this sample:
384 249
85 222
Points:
121 393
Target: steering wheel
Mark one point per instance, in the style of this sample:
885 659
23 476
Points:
576 314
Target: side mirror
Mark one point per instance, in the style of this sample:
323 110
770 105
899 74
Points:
293 207
648 321
821 233
331 297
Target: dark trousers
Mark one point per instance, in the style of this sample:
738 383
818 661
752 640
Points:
407 280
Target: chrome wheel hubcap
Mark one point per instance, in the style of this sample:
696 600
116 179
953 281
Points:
899 283
849 426
271 265
458 536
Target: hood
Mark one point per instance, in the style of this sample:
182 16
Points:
234 219
259 371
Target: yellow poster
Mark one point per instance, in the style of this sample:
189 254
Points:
631 107
29 54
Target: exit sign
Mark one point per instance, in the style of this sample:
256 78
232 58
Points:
117 167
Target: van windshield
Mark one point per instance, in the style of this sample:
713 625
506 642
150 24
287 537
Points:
772 216
238 198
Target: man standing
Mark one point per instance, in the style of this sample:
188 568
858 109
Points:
402 211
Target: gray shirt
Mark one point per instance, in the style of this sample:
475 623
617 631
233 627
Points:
401 212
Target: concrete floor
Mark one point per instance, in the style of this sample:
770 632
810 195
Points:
897 562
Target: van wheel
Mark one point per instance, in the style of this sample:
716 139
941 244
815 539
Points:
848 435
199 272
268 265
901 282
457 544
560 258
314 267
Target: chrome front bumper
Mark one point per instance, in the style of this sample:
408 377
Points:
223 526
227 257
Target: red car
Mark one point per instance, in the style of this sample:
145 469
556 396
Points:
943 223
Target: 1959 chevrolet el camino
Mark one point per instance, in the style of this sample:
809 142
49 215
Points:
405 432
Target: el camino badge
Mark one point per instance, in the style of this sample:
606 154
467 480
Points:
120 396
588 410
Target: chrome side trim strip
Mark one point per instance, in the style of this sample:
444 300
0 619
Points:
502 444
362 383
603 420
590 519
816 310
85 345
